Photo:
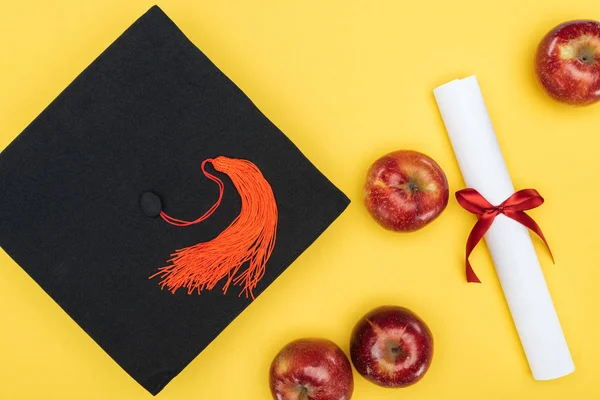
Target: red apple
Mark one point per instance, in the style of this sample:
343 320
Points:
391 347
567 62
405 190
311 369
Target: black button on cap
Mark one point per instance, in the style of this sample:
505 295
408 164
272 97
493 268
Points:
150 204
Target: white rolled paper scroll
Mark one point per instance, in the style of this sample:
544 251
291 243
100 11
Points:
470 130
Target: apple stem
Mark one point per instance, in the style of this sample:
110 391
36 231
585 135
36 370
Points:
304 394
586 55
412 186
396 351
399 352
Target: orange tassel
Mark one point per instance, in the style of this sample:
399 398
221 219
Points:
249 238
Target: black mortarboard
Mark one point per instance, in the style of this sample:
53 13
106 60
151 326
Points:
149 136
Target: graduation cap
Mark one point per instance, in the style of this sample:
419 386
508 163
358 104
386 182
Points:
153 201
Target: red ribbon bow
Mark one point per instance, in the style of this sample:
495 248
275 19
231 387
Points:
514 207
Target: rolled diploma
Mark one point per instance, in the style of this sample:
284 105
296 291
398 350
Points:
470 130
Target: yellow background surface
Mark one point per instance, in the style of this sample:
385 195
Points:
347 81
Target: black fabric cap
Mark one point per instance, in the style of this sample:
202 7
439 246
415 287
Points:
84 182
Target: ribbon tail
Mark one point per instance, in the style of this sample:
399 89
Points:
524 219
471 275
483 224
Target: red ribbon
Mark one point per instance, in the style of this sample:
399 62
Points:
514 207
